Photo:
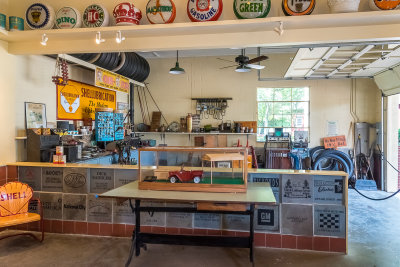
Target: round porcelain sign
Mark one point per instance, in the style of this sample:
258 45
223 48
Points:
68 18
95 16
204 10
160 11
40 16
251 9
298 7
383 4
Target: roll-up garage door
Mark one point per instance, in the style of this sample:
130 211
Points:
389 81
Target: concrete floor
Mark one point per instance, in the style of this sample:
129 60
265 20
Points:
374 240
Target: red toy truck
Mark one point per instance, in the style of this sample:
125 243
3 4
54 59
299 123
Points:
185 176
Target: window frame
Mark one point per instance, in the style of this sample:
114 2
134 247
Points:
308 128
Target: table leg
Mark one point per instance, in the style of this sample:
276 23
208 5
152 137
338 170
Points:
133 243
137 227
251 232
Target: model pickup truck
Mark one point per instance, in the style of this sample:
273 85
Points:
185 176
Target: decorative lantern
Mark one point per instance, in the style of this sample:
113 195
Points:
204 10
127 14
160 11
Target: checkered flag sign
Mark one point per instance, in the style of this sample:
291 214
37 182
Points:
329 221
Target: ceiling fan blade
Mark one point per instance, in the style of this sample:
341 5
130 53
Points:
228 67
225 60
257 59
257 67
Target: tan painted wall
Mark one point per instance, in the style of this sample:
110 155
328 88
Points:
18 7
4 6
330 99
7 104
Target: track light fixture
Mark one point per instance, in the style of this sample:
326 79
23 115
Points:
119 37
44 39
98 38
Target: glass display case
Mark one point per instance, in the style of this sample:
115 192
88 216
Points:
193 169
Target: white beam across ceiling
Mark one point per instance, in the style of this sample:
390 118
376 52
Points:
351 60
328 54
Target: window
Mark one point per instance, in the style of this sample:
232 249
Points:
287 108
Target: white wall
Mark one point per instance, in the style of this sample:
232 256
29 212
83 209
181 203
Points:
330 99
7 104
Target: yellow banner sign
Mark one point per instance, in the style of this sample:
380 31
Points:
109 80
78 101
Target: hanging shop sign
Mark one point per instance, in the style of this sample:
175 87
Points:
383 4
68 18
298 7
160 11
127 14
109 80
78 101
204 10
40 16
95 16
335 141
251 9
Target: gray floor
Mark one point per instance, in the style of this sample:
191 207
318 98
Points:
374 240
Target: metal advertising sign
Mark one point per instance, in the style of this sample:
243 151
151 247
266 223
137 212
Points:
109 80
251 9
160 11
328 189
78 101
298 7
383 4
330 220
68 18
204 10
95 16
297 189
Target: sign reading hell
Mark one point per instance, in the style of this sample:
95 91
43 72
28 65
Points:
78 101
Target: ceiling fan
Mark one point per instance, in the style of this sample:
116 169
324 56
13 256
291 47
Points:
244 64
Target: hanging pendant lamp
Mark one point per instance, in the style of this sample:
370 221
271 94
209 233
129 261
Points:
177 69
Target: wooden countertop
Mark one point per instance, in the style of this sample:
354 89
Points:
257 193
168 168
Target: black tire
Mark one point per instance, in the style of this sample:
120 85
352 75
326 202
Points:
147 70
139 77
121 62
341 154
126 68
315 151
114 62
334 157
134 67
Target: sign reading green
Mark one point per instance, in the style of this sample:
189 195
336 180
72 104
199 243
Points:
251 9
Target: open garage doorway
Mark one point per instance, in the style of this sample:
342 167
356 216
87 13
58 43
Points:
393 146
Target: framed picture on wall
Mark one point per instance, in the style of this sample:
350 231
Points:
35 115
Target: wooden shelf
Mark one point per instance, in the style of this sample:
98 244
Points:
313 29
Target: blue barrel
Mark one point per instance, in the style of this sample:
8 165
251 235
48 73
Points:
16 23
2 21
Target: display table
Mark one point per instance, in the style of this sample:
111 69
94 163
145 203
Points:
222 203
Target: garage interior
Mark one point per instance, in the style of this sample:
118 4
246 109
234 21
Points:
347 66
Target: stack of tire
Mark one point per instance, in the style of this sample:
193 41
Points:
128 64
329 159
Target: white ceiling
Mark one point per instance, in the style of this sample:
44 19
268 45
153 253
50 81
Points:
346 61
334 61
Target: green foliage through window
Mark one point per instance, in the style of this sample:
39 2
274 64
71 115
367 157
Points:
287 108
